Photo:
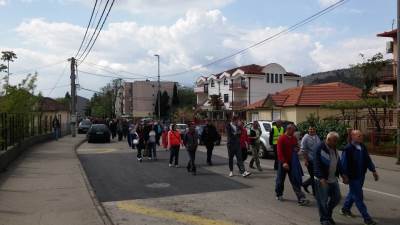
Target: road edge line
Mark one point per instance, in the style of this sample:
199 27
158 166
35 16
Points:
102 212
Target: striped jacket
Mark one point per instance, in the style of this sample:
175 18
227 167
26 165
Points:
322 161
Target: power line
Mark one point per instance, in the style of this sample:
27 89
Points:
109 76
98 33
45 89
95 30
87 29
58 79
22 72
87 89
270 38
109 70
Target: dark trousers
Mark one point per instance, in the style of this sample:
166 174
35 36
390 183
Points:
280 183
328 197
139 151
210 148
233 151
120 136
191 164
356 196
310 181
275 148
152 150
174 154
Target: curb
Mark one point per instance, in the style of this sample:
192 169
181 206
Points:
105 217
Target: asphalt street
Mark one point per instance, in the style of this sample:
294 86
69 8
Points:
152 193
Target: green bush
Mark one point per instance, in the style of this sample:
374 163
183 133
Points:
325 126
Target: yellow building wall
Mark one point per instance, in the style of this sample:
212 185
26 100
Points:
289 113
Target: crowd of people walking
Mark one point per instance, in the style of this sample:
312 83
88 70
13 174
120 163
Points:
322 160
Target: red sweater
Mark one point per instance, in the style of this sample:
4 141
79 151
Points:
244 138
286 146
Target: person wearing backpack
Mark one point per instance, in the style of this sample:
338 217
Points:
174 143
190 141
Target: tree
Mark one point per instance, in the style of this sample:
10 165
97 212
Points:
164 105
216 102
187 97
20 98
8 56
369 70
183 115
175 97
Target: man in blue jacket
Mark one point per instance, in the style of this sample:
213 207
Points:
355 162
327 168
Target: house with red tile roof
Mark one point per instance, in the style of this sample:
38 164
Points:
295 104
244 85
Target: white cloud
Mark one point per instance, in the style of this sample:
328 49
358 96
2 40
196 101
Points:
325 3
3 2
199 37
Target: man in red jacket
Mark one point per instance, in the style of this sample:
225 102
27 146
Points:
288 145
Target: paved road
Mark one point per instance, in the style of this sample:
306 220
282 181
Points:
152 193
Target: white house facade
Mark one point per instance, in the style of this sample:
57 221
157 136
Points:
242 86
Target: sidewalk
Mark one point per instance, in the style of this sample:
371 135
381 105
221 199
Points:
386 163
45 186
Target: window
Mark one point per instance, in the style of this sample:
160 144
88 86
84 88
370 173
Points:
267 77
298 83
272 78
212 83
276 78
226 98
267 127
243 81
225 81
280 78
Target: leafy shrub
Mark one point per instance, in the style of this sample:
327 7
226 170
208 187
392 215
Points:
325 126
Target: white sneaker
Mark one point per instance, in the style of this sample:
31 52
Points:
231 174
176 166
170 165
246 174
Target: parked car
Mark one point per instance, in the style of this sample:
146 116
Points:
98 133
266 126
200 128
84 126
182 128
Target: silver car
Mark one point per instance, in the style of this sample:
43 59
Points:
265 148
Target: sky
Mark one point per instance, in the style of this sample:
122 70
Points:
187 34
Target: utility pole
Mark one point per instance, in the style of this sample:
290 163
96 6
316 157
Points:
398 83
159 87
73 97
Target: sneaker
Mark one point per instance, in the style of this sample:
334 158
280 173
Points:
246 174
170 165
369 222
346 212
279 198
231 174
149 158
303 202
176 166
140 159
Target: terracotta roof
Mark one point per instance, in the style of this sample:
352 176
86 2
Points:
257 104
50 105
290 74
392 34
316 95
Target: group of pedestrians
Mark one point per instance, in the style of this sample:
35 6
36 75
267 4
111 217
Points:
325 165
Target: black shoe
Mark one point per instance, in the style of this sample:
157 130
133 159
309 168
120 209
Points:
346 212
332 221
370 222
209 163
305 187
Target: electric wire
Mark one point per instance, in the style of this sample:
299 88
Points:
87 29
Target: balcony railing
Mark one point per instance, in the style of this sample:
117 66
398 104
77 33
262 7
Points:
238 86
238 104
200 89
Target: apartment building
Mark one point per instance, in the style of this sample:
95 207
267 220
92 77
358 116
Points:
245 85
138 98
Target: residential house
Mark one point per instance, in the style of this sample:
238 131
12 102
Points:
137 99
49 108
82 105
296 104
244 85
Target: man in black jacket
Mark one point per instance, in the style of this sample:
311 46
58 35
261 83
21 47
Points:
327 168
209 136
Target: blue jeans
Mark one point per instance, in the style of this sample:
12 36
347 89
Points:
56 132
280 181
328 197
356 196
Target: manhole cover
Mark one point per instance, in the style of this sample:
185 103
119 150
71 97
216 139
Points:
158 185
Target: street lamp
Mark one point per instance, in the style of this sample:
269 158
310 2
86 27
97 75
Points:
159 87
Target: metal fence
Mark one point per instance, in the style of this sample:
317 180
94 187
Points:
16 127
